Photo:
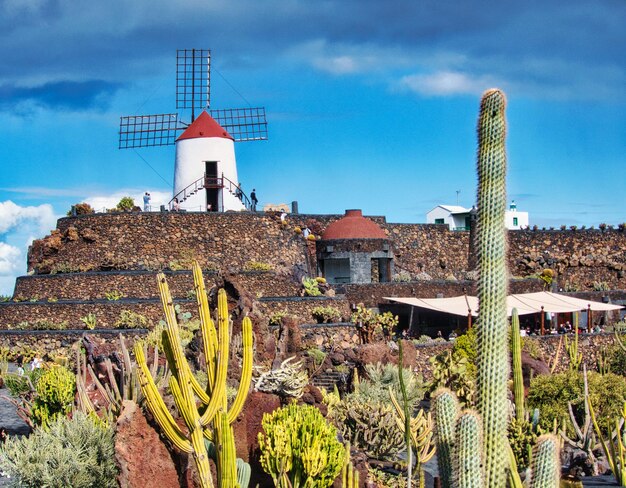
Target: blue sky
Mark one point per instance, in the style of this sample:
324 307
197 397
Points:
370 104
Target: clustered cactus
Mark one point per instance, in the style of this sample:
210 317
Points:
300 448
205 412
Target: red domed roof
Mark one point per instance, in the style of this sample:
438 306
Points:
204 126
353 226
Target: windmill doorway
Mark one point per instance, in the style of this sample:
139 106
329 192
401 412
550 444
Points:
212 185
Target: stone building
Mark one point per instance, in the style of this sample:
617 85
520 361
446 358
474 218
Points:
355 249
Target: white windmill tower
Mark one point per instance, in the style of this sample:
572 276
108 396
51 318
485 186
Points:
205 172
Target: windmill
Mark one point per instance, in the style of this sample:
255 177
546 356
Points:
205 173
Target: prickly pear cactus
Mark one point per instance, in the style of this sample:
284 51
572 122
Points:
492 333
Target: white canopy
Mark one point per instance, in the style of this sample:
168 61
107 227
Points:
525 303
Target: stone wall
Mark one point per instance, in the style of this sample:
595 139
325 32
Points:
228 241
372 294
70 311
579 257
301 307
93 285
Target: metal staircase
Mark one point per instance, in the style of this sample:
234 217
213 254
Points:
206 183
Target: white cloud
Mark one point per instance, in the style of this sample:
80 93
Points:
343 59
444 83
13 216
10 259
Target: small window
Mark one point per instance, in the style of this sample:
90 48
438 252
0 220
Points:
439 221
514 221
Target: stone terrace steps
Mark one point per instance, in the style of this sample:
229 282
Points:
328 379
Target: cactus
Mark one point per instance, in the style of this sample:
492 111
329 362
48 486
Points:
446 407
349 476
54 395
299 448
211 419
575 357
468 459
421 435
369 426
493 361
516 353
546 467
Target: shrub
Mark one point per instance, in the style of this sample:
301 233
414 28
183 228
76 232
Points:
113 295
551 393
78 452
131 320
369 426
423 339
326 314
41 324
54 395
617 360
455 372
311 287
89 320
81 209
466 345
402 277
300 448
257 266
381 377
126 203
277 317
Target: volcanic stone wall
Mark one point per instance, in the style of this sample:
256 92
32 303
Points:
229 242
579 257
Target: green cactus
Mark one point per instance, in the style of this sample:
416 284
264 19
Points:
299 448
546 466
349 476
468 459
54 395
446 409
369 426
518 379
492 333
575 357
205 412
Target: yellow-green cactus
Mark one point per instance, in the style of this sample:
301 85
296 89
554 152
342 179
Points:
299 448
55 390
205 412
518 379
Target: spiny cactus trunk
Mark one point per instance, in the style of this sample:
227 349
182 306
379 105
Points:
492 364
468 459
446 407
518 379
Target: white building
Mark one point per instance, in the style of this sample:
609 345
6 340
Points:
455 216
205 175
458 218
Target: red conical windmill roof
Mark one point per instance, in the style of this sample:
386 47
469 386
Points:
204 126
353 226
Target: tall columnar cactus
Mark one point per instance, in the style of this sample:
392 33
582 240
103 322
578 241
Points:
446 407
518 379
349 476
205 412
492 333
575 357
546 466
468 459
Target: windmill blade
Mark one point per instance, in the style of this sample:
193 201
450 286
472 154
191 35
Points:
148 130
193 78
244 124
